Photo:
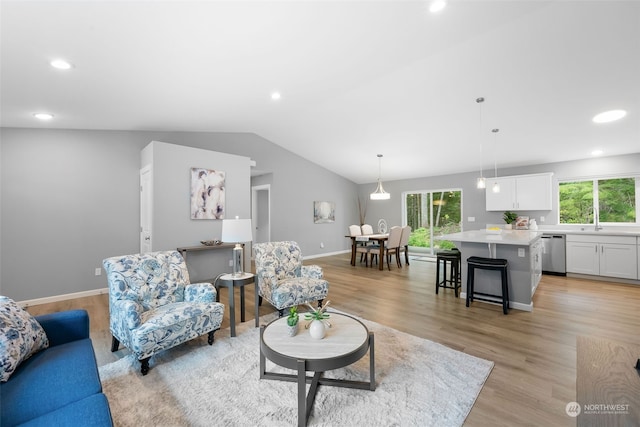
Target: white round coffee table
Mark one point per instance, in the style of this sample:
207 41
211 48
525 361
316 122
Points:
346 342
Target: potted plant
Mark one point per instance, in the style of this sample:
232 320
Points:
318 321
292 321
509 218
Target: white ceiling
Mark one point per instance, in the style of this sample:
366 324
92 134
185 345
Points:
357 78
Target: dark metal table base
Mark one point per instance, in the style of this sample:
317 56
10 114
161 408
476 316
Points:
305 404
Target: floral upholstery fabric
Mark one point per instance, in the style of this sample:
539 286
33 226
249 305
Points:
152 305
282 279
20 337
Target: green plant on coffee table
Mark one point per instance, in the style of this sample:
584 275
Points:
292 319
318 314
509 217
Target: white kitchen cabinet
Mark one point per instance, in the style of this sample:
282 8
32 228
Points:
523 192
583 257
611 256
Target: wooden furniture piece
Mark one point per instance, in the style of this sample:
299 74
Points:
481 263
379 239
346 342
392 246
231 282
361 243
404 242
183 250
453 260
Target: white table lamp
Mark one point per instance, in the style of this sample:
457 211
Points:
237 231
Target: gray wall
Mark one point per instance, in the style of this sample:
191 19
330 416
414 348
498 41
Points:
172 224
473 201
70 198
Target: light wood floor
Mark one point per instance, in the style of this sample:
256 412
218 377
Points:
534 352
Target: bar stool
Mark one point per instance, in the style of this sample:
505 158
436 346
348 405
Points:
454 259
497 264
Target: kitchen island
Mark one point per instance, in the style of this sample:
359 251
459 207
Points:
521 248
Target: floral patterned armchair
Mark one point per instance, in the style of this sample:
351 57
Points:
152 305
283 280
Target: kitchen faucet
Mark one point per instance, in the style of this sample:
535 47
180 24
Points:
596 220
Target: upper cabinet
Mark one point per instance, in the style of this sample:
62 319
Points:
522 192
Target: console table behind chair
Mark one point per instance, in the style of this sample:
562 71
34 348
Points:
183 250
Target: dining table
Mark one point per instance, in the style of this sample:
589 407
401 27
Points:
378 238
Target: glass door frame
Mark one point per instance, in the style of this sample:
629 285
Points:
431 251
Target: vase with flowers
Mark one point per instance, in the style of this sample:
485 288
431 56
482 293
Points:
318 321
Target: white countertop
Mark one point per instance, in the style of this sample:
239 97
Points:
506 237
591 230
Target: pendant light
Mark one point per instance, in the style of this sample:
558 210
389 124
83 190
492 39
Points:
480 182
379 194
496 186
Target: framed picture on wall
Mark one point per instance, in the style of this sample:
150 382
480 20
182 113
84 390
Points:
207 194
324 212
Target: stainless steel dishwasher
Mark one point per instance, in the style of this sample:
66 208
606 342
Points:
553 254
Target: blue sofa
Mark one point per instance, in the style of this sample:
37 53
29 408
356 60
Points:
58 386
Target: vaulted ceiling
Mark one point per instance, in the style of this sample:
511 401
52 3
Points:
356 78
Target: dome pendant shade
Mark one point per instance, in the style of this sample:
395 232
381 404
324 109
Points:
379 194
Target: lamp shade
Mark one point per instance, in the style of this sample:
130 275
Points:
379 194
236 230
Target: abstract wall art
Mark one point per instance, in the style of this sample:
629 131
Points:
207 194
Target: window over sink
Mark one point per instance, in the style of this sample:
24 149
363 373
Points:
600 200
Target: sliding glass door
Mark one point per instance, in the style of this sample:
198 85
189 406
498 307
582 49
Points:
430 214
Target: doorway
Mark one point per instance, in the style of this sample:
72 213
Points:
261 213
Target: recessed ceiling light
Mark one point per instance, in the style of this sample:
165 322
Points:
275 96
60 64
609 116
43 116
597 153
437 5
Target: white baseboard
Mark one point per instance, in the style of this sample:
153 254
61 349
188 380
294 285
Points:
63 297
328 254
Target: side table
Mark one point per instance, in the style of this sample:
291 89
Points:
230 282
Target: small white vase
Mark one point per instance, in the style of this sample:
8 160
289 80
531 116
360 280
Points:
508 226
317 329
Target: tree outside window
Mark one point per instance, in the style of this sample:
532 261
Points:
614 200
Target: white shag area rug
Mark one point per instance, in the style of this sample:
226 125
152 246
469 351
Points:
419 383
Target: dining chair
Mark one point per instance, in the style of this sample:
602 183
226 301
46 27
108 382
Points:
361 247
392 245
404 243
355 230
367 229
